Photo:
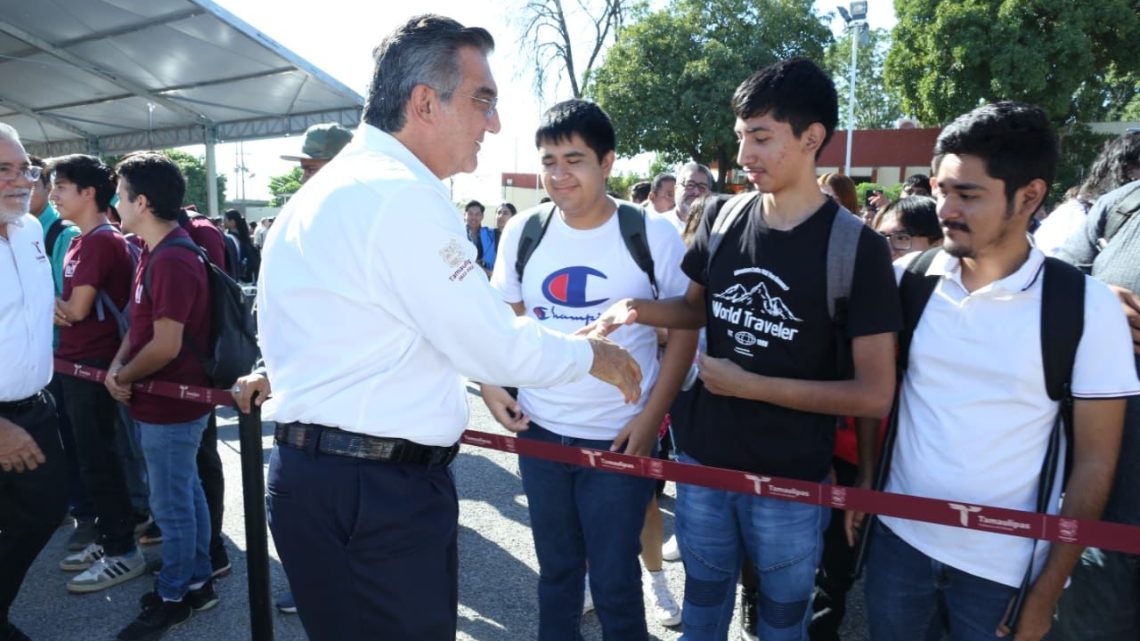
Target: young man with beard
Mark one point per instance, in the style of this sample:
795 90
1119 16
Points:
774 378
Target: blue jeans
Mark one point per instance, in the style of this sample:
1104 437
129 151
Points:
178 504
904 589
717 529
583 516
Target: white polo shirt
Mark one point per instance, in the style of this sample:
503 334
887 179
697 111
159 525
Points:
27 300
974 417
371 307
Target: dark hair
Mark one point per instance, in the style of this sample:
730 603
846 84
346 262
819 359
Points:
581 117
919 182
844 189
795 91
157 177
87 172
916 215
639 192
242 226
510 207
475 203
422 51
45 176
1112 167
1014 140
660 179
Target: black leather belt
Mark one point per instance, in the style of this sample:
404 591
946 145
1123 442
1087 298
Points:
8 407
330 440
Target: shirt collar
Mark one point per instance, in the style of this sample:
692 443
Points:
370 138
950 268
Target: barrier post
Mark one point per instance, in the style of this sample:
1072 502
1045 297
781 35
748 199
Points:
256 539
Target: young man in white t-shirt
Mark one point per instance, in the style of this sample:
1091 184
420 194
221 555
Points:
583 515
974 415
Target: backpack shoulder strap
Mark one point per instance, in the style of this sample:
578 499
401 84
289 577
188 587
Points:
842 248
54 230
534 228
1062 323
915 289
631 220
176 242
1120 214
731 210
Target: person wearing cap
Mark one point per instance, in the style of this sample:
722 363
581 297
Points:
322 142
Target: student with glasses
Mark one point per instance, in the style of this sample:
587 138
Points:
910 225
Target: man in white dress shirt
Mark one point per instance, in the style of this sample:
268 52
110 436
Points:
372 309
33 492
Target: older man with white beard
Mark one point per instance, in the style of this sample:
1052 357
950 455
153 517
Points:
32 479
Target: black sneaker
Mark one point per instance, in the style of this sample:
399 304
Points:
748 619
203 598
220 562
12 633
156 619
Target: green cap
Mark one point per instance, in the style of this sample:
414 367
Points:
322 142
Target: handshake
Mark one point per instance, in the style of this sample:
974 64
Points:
612 363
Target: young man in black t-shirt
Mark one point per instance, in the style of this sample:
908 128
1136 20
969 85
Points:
771 384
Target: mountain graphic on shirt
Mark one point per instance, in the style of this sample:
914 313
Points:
772 305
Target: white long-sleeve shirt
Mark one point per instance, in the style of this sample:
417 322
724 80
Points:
27 300
371 307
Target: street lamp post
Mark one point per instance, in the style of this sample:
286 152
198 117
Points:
855 21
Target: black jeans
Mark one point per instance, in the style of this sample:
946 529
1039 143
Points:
94 415
213 481
834 578
32 503
78 501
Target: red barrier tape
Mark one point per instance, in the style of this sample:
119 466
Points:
1100 534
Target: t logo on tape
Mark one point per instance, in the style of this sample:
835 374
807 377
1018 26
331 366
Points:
964 512
592 455
758 483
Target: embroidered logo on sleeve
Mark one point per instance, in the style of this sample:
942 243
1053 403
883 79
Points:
453 255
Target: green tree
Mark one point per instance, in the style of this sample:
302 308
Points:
620 183
194 170
1073 58
284 186
668 79
876 107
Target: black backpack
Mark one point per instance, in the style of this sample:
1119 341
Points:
1062 323
233 349
631 220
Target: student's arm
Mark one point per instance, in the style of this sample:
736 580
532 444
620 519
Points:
868 394
155 355
639 435
678 312
867 443
119 392
1097 429
78 307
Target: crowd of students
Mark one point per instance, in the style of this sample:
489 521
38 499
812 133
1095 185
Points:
754 332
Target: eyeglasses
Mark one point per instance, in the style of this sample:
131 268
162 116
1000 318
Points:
690 184
899 240
492 105
31 172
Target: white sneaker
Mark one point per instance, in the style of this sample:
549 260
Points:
108 571
588 600
82 559
671 551
664 607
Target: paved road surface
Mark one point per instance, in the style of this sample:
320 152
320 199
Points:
498 570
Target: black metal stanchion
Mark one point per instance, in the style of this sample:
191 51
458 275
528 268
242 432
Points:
256 539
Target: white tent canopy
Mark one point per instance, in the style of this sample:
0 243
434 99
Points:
111 76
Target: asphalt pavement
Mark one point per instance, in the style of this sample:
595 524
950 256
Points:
498 569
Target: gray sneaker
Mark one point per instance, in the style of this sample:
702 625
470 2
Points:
83 535
82 559
108 571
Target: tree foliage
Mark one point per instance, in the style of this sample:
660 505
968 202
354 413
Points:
549 38
876 107
668 80
284 186
194 170
1074 58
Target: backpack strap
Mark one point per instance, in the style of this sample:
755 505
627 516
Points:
1120 214
1062 324
915 289
842 249
728 214
534 228
54 230
175 242
631 220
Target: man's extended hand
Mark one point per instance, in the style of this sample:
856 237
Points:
637 437
247 387
614 365
18 450
505 409
1131 304
618 315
